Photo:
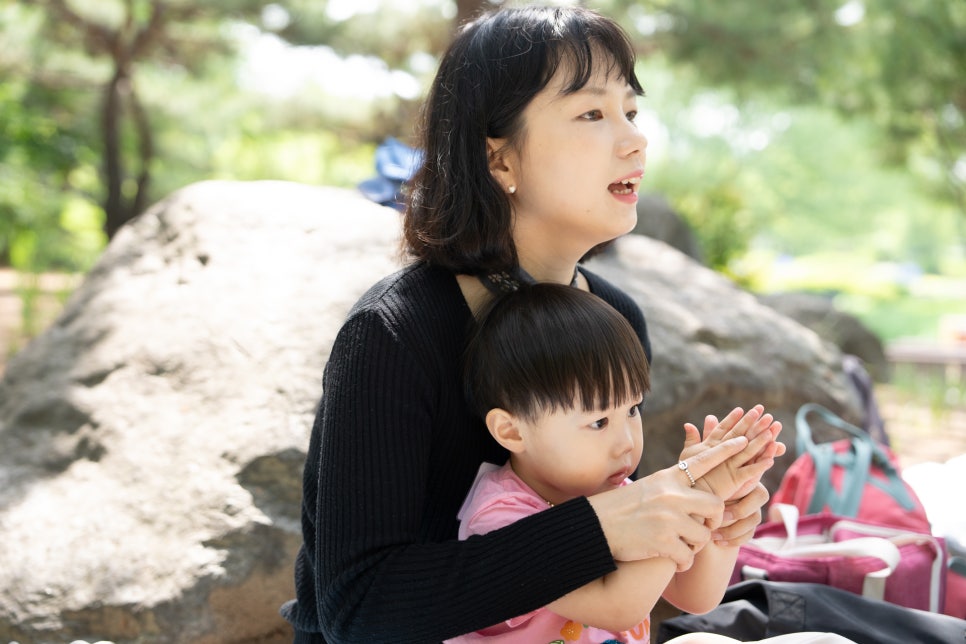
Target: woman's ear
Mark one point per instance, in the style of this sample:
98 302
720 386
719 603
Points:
505 428
500 164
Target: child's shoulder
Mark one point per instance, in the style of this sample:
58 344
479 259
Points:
495 482
498 498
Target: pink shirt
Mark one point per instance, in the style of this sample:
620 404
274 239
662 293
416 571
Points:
497 498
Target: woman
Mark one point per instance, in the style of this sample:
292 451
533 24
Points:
532 160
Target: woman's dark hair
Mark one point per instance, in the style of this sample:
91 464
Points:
458 215
549 347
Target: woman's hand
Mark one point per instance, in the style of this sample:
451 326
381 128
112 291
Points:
741 518
739 475
661 515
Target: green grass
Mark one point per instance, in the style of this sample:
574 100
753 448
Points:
892 300
902 316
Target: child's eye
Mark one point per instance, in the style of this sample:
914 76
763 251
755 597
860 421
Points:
637 409
592 115
632 115
600 423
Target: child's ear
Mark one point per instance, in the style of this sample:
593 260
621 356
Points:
505 428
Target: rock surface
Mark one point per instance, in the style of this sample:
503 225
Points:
658 220
152 440
846 331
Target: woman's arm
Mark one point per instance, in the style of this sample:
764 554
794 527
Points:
380 569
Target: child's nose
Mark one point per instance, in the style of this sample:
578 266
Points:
626 441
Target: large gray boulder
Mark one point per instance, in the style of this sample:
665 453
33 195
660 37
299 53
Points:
842 329
658 220
152 440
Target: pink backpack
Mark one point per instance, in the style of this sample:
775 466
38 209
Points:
855 477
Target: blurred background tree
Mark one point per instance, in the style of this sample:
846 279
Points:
816 134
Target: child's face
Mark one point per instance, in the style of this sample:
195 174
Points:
574 453
576 150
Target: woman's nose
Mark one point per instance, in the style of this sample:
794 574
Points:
634 143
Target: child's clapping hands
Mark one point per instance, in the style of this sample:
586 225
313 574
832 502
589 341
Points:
743 471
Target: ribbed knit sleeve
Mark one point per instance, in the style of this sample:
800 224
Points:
394 449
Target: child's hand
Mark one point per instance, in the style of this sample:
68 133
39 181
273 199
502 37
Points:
739 475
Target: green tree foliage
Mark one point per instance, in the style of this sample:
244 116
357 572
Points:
110 104
107 105
898 64
119 37
44 160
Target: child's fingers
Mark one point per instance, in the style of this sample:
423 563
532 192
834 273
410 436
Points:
746 488
776 428
767 427
746 422
755 450
714 432
707 460
763 424
752 472
733 417
774 450
691 435
710 423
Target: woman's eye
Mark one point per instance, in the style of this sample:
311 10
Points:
632 115
592 115
600 423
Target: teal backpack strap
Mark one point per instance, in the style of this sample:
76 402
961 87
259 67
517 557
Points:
893 484
855 463
854 477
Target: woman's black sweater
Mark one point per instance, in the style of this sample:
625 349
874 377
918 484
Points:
393 452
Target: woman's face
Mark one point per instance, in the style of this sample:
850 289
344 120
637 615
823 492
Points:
577 166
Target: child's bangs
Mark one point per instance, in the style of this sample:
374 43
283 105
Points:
599 366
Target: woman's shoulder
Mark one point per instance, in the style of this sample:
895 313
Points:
624 303
612 294
419 305
411 288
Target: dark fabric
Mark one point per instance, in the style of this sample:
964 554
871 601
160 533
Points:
865 387
302 637
754 610
393 452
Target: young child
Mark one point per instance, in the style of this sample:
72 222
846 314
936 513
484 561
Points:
560 377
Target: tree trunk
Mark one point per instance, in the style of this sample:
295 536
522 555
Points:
113 167
145 153
120 100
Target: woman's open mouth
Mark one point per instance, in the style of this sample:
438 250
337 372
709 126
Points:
625 187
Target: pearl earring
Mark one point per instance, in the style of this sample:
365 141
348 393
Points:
512 189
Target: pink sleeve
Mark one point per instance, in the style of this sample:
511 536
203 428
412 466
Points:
502 511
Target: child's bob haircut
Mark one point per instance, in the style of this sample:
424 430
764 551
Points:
458 215
549 347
